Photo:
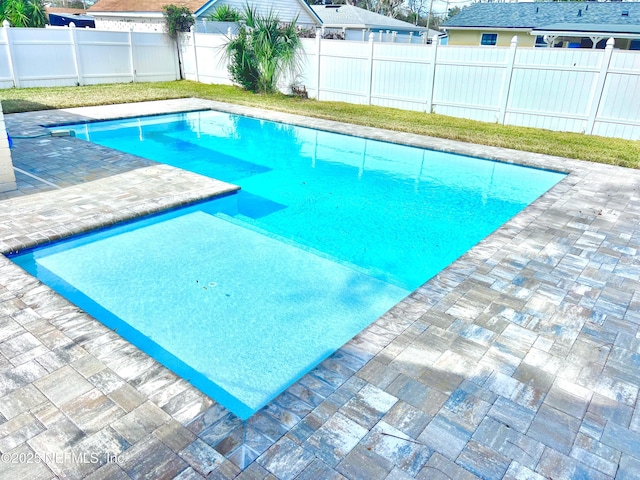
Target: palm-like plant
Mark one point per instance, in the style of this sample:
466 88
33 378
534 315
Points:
36 13
23 13
263 51
225 13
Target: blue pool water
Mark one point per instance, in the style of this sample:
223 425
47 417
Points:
245 294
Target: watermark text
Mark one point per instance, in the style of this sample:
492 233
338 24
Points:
60 457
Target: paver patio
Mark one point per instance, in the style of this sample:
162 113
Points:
520 360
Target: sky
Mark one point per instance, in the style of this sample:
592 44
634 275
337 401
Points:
440 6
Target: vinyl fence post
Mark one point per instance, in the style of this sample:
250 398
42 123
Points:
192 30
596 98
132 66
431 74
76 56
506 82
6 26
318 46
370 71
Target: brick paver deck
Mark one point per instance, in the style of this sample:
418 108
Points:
520 360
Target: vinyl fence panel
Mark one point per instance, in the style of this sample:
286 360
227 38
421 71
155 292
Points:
37 57
42 57
204 58
553 88
345 68
308 75
399 76
468 82
114 54
6 63
619 108
188 56
155 57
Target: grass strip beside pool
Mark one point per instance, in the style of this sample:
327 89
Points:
612 151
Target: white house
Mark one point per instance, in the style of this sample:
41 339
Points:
546 24
357 23
146 15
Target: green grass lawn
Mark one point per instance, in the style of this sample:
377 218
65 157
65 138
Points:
572 145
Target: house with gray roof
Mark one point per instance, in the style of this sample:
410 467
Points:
358 23
146 15
558 24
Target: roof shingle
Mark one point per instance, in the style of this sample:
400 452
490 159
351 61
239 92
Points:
142 5
348 15
539 14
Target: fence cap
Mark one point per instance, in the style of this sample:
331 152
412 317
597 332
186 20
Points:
6 23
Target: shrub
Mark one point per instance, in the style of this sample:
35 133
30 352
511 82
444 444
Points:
179 19
263 50
225 13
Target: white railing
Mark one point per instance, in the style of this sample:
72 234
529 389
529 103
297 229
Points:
578 90
36 57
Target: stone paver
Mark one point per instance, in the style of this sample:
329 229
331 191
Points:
520 360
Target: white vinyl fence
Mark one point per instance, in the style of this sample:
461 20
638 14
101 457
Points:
578 90
203 58
39 57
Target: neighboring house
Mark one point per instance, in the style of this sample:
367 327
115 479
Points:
62 17
146 15
358 23
558 24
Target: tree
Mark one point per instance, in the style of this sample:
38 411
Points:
390 8
263 50
178 19
437 20
453 12
23 13
416 9
79 4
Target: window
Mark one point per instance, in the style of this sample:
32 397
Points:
489 39
635 45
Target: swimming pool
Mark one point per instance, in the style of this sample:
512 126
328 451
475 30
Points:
245 294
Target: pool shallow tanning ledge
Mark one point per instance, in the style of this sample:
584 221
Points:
245 294
185 312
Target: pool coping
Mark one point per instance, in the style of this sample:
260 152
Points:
333 419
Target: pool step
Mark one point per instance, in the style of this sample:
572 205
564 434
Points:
251 224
